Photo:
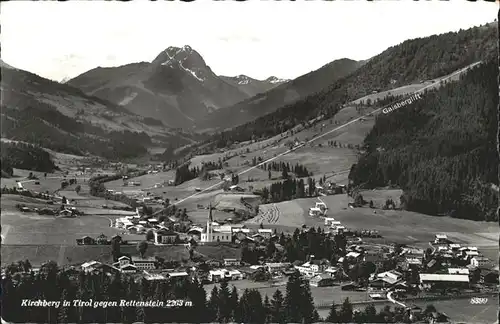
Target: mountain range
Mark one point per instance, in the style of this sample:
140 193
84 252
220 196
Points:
62 118
123 111
177 87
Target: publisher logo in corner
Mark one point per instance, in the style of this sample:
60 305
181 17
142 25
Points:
478 301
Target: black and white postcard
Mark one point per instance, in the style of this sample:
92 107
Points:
249 162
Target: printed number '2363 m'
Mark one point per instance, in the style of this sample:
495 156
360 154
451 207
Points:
478 301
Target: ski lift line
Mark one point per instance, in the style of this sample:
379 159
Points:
322 135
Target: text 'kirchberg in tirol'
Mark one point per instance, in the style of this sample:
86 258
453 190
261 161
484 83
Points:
408 101
95 304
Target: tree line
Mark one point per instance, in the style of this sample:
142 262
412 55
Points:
288 189
52 283
299 170
25 156
441 150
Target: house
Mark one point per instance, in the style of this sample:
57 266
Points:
318 265
376 258
239 235
87 240
265 232
155 277
311 268
384 282
236 188
322 280
144 263
234 275
479 261
90 266
102 239
116 237
461 271
215 275
274 267
393 275
123 260
232 262
329 220
430 281
411 262
353 255
165 236
436 317
106 269
128 268
66 213
177 275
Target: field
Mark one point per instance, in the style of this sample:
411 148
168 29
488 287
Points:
394 225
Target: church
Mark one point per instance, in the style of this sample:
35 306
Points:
213 233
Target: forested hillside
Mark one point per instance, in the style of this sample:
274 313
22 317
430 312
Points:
441 150
412 61
24 156
62 118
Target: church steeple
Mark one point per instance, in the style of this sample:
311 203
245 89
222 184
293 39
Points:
210 218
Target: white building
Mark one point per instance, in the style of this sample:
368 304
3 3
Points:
144 263
220 274
213 234
277 266
329 220
90 266
440 238
479 261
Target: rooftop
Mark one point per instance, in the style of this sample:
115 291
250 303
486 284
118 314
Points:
444 277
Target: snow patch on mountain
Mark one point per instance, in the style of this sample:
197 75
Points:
274 80
128 99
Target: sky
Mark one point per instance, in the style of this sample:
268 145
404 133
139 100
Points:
60 40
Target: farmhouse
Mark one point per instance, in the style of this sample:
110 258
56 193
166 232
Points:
144 263
165 236
430 281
